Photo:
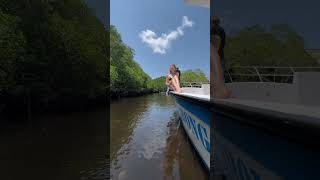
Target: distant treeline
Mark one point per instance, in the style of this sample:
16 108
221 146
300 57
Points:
126 76
53 54
279 46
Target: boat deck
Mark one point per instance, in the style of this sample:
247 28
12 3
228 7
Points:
291 111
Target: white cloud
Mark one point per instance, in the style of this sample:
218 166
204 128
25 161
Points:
186 22
159 44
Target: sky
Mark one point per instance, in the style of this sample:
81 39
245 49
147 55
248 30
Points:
302 16
100 7
164 32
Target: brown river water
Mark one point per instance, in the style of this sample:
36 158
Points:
149 142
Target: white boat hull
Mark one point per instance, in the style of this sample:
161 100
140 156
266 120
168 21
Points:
196 122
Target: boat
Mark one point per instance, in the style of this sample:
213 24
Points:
269 130
193 107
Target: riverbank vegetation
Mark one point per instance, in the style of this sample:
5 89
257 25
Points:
53 54
126 76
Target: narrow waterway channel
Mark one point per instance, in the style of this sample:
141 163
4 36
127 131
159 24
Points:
149 142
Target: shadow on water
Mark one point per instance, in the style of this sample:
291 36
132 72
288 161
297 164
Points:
56 146
148 142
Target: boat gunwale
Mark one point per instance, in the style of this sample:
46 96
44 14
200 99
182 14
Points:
200 101
294 128
303 129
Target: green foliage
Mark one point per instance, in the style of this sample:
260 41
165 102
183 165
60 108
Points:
53 50
158 84
279 47
193 76
81 60
12 50
125 74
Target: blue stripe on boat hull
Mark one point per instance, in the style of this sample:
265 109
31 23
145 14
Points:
197 129
273 154
201 112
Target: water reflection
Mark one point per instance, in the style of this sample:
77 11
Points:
124 116
148 141
178 154
56 146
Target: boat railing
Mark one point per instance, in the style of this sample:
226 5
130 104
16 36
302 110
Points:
283 74
194 84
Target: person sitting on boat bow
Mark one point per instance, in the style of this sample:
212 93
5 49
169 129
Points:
172 79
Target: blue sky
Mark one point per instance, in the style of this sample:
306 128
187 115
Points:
141 24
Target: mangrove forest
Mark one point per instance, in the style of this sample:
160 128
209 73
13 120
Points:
53 55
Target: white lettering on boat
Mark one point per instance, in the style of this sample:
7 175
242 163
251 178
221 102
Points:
198 131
